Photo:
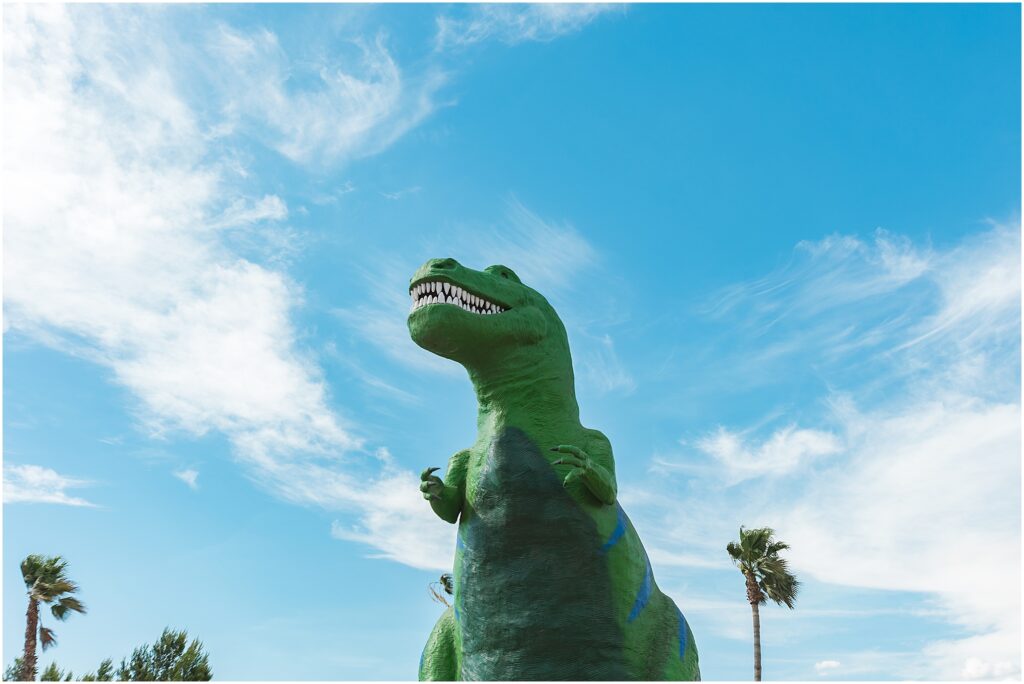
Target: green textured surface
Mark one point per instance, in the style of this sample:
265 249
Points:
551 580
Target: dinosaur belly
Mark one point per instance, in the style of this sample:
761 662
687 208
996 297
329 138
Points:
534 596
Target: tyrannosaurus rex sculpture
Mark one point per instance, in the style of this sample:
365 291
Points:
551 580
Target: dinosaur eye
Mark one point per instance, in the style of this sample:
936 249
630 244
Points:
503 272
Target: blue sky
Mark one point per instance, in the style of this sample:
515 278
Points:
785 241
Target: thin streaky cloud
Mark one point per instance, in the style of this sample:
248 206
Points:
189 476
27 483
352 110
512 24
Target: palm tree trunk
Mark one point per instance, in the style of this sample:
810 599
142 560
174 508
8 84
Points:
754 596
28 661
757 641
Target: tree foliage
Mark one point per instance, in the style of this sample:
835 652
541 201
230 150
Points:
757 557
13 671
171 658
55 674
104 673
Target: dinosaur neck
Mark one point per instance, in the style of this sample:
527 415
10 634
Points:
535 395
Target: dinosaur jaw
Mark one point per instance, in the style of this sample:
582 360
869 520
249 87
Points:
437 292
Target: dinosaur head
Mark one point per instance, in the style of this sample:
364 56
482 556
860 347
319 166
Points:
484 320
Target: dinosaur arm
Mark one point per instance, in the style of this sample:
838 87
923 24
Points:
598 477
446 497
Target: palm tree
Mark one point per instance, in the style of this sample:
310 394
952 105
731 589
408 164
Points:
47 583
767 577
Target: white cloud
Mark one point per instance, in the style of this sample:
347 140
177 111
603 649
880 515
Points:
602 369
36 484
825 667
351 110
112 250
116 226
929 497
782 453
512 24
189 477
548 256
914 485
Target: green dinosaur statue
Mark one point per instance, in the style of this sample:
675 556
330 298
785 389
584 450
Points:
551 580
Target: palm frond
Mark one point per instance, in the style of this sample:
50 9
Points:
47 638
50 591
67 604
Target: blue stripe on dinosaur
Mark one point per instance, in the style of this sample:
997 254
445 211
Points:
459 544
620 529
644 594
682 634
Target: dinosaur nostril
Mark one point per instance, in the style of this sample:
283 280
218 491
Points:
448 263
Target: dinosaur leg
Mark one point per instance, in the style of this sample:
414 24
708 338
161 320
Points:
440 659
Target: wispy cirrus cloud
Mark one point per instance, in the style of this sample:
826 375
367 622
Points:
516 23
548 255
345 109
189 476
826 667
918 448
36 484
783 452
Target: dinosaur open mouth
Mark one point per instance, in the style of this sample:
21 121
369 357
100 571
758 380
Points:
439 292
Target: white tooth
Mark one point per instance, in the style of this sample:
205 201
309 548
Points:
457 291
435 286
447 287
